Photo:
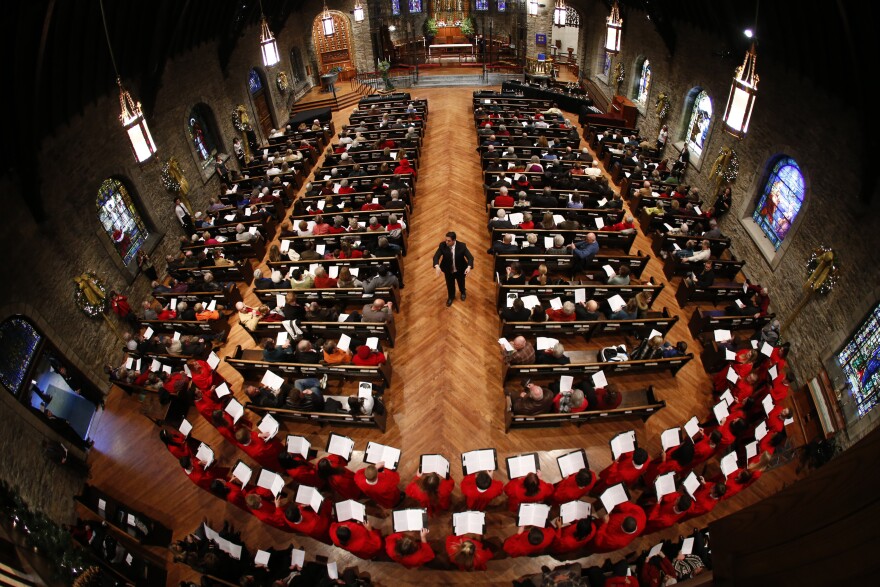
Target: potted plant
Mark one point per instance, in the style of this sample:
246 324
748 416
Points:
468 29
384 66
429 28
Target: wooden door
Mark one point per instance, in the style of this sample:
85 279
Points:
264 114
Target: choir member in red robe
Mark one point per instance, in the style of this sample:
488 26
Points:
479 489
407 551
574 486
264 508
573 537
359 539
626 469
619 528
300 471
676 459
528 541
332 469
671 509
303 520
431 491
468 554
379 484
706 497
528 489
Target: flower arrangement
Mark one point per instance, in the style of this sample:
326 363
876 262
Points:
467 27
282 82
662 106
822 270
90 294
240 118
170 184
430 27
619 73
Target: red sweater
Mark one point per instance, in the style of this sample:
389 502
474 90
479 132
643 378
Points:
442 502
385 491
418 558
365 544
519 545
479 500
568 489
516 493
482 555
610 535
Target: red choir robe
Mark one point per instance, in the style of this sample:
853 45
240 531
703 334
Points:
703 451
423 555
568 489
314 525
385 491
482 555
703 501
610 535
662 514
516 493
519 545
734 487
566 542
343 483
623 470
365 544
479 500
444 495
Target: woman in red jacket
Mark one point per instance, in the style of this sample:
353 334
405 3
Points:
408 552
365 356
480 489
432 492
468 554
573 536
528 489
332 469
360 540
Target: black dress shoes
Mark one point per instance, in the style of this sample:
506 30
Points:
463 296
448 302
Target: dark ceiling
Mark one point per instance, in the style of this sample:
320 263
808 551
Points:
61 62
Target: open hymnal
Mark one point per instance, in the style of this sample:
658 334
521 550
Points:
350 510
185 427
732 375
530 302
522 465
573 511
722 335
545 342
614 495
485 459
692 427
379 452
728 397
609 271
728 463
410 520
571 463
761 430
433 464
298 445
262 558
242 472
340 445
272 381
720 411
309 496
599 379
751 450
691 483
269 426
773 373
468 523
623 443
205 455
222 390
670 438
271 481
664 484
767 402
213 360
505 344
332 571
533 514
616 302
687 545
556 304
234 409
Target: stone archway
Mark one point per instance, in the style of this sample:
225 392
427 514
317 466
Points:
337 50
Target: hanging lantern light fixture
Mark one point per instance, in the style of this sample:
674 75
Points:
327 23
533 7
132 117
358 12
268 46
743 91
613 30
559 13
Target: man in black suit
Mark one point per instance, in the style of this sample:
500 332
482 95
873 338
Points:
455 261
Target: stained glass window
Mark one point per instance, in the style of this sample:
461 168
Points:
606 67
18 342
482 5
395 7
200 130
644 82
502 5
120 219
698 127
299 70
415 6
860 361
780 201
255 83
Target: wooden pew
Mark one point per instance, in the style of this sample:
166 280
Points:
726 268
146 569
567 292
194 327
659 321
227 297
233 250
146 531
361 215
265 226
637 403
586 217
334 241
385 331
370 265
663 241
586 362
241 271
562 263
717 293
616 240
703 321
326 296
250 363
374 420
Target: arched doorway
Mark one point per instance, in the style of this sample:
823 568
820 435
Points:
336 50
260 97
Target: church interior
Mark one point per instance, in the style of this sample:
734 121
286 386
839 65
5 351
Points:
153 143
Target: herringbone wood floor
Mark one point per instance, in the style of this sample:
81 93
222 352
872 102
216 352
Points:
446 395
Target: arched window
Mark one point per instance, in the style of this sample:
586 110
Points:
502 5
415 6
39 376
202 134
395 7
120 219
296 66
255 81
606 65
482 5
860 361
644 83
698 126
780 200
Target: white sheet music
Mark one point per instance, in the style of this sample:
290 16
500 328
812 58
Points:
205 455
691 483
434 464
574 511
522 465
222 390
344 342
271 481
773 373
155 365
468 522
548 242
766 349
728 464
565 383
670 438
365 389
616 302
665 484
373 342
478 460
309 496
379 452
545 342
506 344
600 223
269 426
243 473
580 295
599 380
213 360
751 449
261 558
332 571
623 443
732 375
234 409
185 427
281 338
687 545
728 397
409 520
722 335
298 445
340 445
609 270
614 495
148 333
761 430
297 557
272 380
692 427
655 550
350 510
556 304
571 463
729 355
530 301
533 514
720 411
